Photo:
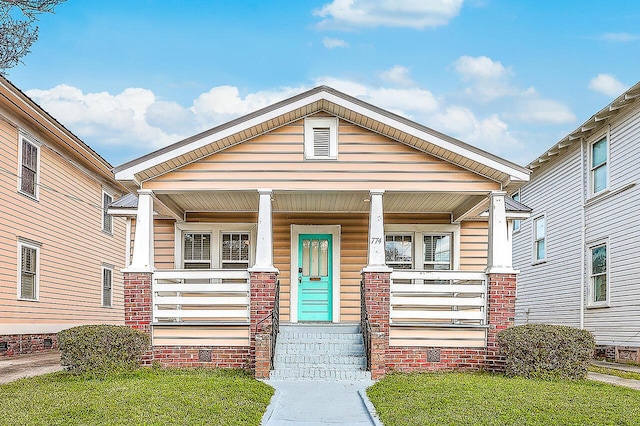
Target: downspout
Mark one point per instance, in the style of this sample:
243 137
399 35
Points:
583 220
127 259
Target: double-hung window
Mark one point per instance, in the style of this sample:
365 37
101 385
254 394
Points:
599 166
29 263
107 219
29 155
235 250
437 252
516 223
197 250
398 250
107 286
598 274
539 239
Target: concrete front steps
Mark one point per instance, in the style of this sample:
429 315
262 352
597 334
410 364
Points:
320 352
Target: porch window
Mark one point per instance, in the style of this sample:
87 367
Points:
28 286
29 154
598 276
235 250
599 169
197 250
399 251
539 239
437 252
107 286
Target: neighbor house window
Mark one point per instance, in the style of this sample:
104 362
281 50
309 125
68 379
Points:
197 250
107 219
598 275
437 252
29 260
516 223
599 166
235 250
539 239
399 251
107 286
321 138
29 155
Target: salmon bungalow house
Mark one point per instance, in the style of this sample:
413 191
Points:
321 211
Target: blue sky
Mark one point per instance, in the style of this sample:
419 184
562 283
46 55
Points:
511 77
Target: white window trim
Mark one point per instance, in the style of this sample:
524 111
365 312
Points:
418 231
216 230
517 221
106 268
534 260
590 181
591 303
314 122
105 192
335 231
21 139
36 246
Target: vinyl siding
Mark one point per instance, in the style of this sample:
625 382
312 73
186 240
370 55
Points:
365 160
616 220
67 221
549 292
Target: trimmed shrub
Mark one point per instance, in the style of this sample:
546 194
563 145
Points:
101 348
546 351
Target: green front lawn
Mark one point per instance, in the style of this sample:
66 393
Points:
144 397
486 399
615 372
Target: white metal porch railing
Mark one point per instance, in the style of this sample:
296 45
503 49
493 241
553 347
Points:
438 298
201 297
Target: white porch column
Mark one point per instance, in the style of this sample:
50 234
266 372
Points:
376 256
264 243
143 243
499 258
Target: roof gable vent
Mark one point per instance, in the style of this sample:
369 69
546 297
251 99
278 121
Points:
321 138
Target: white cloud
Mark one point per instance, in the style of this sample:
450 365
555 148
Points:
539 110
491 133
418 14
620 37
487 79
397 75
332 43
607 84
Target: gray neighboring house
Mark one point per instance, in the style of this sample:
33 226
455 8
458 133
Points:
579 251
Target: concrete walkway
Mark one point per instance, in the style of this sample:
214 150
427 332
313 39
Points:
615 380
320 403
18 367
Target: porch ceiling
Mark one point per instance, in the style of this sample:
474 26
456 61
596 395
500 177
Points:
321 201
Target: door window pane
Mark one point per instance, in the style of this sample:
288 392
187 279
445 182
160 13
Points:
306 250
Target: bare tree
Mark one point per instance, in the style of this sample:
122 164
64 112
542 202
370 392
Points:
17 29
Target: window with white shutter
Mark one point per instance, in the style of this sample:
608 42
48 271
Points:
321 138
107 219
29 155
107 287
28 285
197 250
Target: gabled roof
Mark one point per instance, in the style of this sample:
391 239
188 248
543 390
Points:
595 123
329 100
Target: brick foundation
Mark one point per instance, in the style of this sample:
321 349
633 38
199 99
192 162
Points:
376 294
22 344
407 359
201 356
501 312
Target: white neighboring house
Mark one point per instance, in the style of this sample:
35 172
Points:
578 252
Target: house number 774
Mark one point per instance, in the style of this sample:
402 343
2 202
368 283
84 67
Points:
376 240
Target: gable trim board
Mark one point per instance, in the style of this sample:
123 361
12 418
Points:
332 101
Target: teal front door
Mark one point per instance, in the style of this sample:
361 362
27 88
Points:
314 277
